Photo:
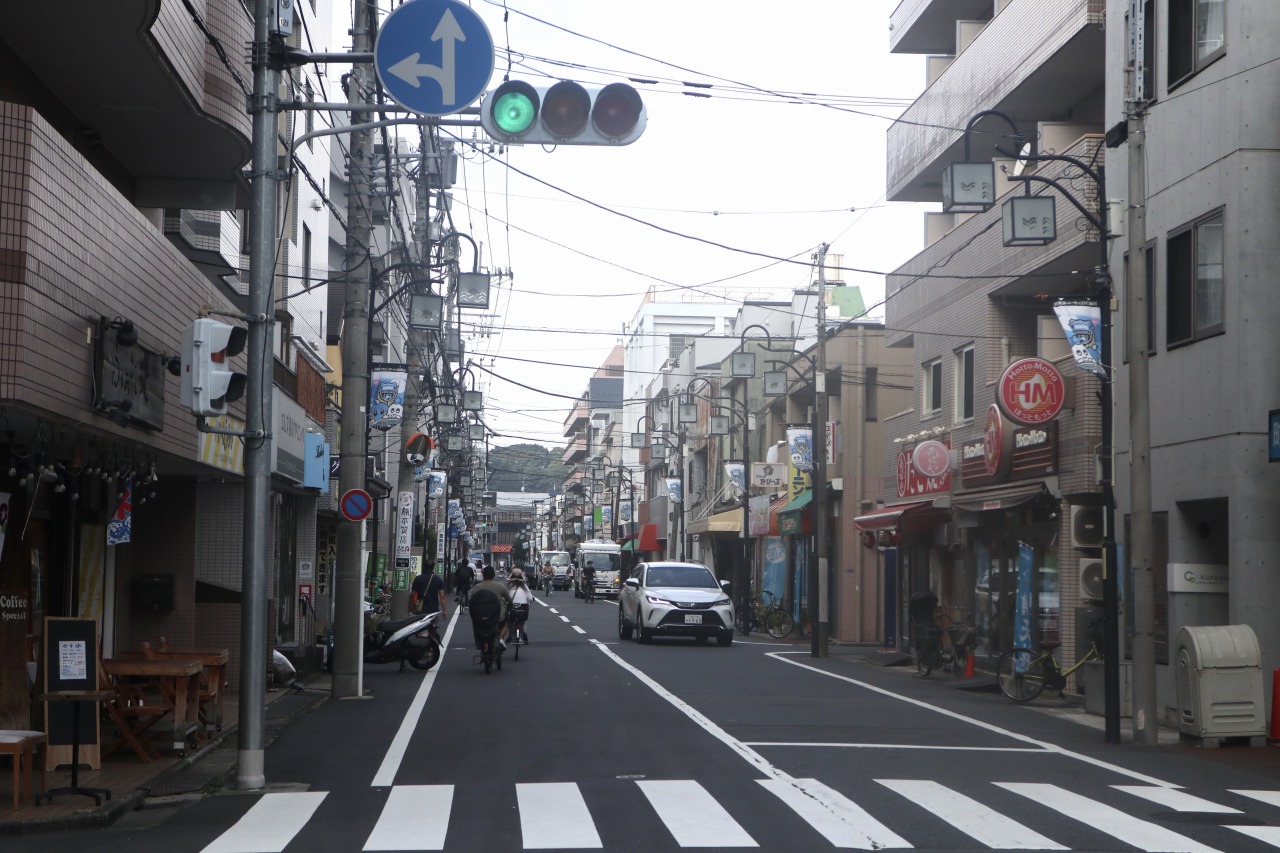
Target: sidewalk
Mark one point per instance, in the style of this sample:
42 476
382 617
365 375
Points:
132 782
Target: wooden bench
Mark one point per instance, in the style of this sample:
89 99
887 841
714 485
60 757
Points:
22 745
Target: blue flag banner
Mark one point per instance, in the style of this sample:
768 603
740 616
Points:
1081 319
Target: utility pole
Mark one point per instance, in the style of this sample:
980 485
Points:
1141 546
251 739
819 576
348 623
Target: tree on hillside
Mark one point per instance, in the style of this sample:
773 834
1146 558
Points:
527 468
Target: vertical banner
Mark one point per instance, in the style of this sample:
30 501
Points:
624 512
93 566
758 516
832 435
800 443
1022 606
120 527
386 398
606 515
774 579
675 490
797 481
404 530
735 474
1081 319
435 485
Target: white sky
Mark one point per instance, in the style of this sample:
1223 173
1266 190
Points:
784 177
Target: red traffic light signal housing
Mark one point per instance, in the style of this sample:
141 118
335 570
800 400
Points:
208 383
564 113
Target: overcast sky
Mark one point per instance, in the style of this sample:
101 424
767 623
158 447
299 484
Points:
710 203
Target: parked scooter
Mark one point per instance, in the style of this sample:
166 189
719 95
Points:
414 640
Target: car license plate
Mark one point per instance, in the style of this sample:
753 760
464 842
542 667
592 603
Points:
693 619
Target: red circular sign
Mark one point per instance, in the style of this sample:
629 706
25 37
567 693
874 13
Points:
993 440
931 458
1031 391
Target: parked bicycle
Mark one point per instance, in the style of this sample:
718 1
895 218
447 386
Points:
1022 674
771 615
953 659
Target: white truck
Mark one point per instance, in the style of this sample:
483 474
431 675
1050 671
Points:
606 558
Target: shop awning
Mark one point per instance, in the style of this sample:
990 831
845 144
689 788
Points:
629 545
887 517
1004 498
649 538
805 498
724 522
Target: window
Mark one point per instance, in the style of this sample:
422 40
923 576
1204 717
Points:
870 393
1197 36
675 345
964 384
1194 281
932 403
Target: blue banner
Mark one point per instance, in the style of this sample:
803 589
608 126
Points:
774 579
1081 319
1022 606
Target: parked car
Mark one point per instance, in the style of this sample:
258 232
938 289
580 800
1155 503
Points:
675 600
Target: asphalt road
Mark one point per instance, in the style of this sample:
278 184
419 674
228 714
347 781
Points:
589 742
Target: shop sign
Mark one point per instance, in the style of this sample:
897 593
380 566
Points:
911 482
222 451
1031 391
789 523
404 529
289 437
931 458
1004 454
128 379
1198 577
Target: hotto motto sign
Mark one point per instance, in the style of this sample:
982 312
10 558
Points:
1031 391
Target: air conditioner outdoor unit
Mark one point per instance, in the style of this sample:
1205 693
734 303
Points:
1086 527
1091 579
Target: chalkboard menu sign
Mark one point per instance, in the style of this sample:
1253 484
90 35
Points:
71 663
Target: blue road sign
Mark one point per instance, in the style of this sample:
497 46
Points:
433 57
356 505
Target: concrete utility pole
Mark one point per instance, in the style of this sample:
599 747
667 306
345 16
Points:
1141 546
251 738
348 623
819 571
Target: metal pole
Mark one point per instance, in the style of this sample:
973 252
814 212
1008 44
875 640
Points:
1141 537
818 569
251 737
348 578
744 571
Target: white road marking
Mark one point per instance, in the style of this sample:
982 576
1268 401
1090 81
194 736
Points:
1026 749
386 774
270 825
564 618
971 817
428 804
1129 829
1179 801
579 630
693 816
840 820
1271 798
553 816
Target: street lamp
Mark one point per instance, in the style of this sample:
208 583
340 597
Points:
970 187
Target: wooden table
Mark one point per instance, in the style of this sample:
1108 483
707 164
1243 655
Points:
212 682
77 697
21 744
179 681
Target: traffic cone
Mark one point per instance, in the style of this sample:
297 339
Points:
968 665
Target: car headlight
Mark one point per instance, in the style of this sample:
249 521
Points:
721 602
654 599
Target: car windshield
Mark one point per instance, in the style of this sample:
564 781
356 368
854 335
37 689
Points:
695 577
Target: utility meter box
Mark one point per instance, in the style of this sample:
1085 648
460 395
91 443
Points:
1219 672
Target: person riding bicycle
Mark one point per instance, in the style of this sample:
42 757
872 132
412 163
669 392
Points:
489 603
548 578
588 581
521 598
463 577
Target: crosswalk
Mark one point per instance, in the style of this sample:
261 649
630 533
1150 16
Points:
556 816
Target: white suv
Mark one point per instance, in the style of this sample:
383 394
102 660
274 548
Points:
675 599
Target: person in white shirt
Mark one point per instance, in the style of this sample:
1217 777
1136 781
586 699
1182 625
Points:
521 598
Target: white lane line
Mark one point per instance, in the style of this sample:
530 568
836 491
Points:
982 724
553 816
1027 749
1179 801
386 774
579 630
564 618
1266 834
971 817
429 806
270 825
1129 829
840 820
693 816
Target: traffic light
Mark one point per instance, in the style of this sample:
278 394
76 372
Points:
208 382
565 113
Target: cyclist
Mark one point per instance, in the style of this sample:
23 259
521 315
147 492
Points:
521 598
548 578
483 612
462 580
588 581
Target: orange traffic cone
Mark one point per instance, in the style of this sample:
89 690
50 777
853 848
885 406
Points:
968 665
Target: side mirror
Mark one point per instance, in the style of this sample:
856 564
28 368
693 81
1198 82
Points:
724 584
634 583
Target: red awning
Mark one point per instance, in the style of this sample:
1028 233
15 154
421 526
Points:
887 517
649 538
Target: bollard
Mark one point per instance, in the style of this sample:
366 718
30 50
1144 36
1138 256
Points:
1273 735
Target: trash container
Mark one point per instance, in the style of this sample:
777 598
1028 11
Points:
1219 674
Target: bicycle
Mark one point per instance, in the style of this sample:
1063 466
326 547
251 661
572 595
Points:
931 655
1022 674
589 591
774 616
516 636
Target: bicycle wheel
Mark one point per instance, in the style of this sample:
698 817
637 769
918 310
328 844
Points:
924 663
1021 674
959 660
780 624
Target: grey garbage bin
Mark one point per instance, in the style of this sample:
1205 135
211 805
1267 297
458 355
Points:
1219 673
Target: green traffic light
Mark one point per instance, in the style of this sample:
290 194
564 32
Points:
513 112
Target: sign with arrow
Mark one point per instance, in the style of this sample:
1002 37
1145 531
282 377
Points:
434 57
